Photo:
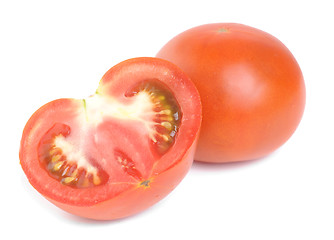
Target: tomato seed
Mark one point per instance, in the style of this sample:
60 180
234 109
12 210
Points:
167 125
67 180
57 166
55 158
96 180
166 111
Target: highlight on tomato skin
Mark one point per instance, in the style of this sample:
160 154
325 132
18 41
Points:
251 86
120 150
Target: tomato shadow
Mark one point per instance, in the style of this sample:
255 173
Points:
86 221
205 166
77 220
54 211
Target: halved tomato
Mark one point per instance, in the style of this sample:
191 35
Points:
120 150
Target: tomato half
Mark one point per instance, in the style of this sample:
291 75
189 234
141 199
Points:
251 87
120 150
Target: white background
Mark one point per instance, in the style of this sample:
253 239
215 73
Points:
54 49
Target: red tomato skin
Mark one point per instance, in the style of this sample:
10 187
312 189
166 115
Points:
128 198
251 87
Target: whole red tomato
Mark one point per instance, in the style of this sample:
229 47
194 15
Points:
251 87
120 150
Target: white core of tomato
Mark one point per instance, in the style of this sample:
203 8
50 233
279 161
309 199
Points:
140 108
98 107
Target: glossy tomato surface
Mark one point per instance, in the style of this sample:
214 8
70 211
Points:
251 87
120 150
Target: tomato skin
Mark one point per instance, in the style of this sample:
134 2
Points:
252 89
116 198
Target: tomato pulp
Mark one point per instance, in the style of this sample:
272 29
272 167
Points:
251 87
120 150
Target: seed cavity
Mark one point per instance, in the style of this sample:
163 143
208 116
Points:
69 173
128 165
166 113
64 162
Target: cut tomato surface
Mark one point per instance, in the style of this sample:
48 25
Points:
120 150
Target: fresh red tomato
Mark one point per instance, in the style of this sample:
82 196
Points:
122 149
251 87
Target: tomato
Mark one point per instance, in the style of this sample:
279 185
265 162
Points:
251 87
120 150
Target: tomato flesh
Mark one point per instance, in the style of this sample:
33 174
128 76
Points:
82 155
